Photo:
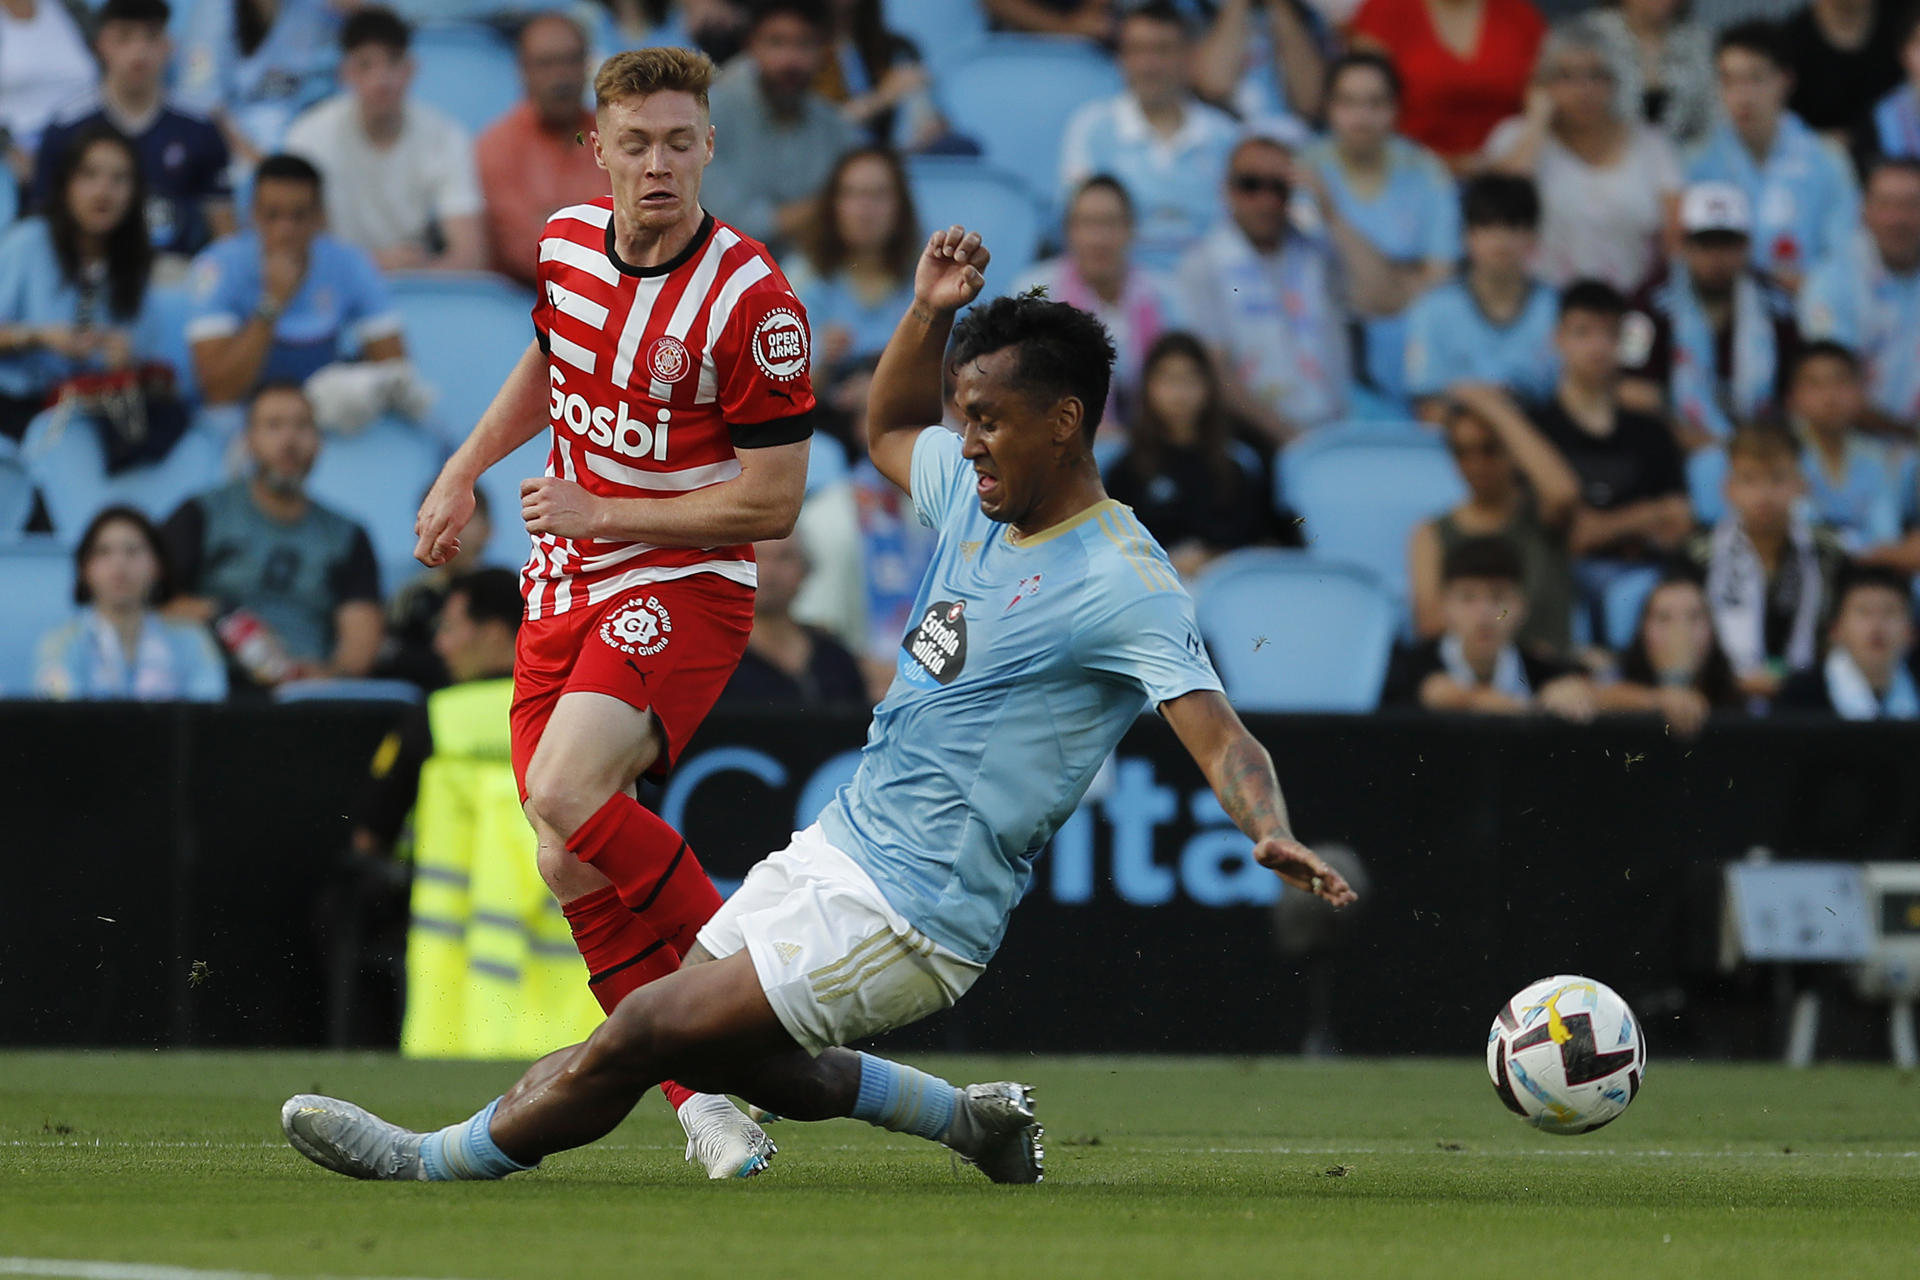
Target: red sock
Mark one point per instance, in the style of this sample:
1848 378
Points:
622 955
656 874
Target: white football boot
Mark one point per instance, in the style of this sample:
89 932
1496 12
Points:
722 1139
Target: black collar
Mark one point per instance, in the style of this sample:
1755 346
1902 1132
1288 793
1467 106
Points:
679 260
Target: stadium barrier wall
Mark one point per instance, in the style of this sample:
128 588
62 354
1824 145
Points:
171 866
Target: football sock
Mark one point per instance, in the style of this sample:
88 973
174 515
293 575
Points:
466 1152
622 953
904 1099
656 875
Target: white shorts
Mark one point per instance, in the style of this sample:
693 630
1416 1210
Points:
837 962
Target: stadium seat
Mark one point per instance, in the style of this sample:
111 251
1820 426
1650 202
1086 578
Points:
63 455
1363 487
944 32
169 306
980 197
1013 95
378 476
36 576
1625 596
467 71
16 492
1290 631
1706 473
464 333
348 691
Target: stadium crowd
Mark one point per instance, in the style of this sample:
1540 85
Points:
1636 290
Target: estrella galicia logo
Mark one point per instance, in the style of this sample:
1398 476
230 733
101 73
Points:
936 650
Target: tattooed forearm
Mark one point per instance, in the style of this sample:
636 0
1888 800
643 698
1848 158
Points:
1244 781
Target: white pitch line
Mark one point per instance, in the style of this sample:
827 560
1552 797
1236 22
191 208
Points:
81 1269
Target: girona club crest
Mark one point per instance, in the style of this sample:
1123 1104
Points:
667 359
641 627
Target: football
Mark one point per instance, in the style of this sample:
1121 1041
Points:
1566 1054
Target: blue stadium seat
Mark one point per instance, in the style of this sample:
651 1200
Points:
943 31
348 691
1625 596
1013 95
16 492
467 71
169 306
377 476
36 577
1290 631
1706 472
1363 487
63 455
464 333
980 197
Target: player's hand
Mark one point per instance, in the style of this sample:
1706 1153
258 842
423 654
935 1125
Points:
952 270
1301 868
448 507
560 507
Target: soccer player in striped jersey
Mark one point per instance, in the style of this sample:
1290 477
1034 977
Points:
1048 620
670 365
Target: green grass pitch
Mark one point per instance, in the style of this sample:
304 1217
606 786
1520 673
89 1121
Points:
1155 1167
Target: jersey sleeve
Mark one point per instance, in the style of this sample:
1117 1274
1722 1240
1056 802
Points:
1151 640
766 391
939 478
220 297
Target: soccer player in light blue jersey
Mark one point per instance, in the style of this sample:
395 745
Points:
1048 620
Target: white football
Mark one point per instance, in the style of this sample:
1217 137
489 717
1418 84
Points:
1566 1054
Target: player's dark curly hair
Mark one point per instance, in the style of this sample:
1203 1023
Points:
1063 350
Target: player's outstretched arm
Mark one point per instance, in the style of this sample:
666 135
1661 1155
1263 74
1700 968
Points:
517 414
908 390
1241 774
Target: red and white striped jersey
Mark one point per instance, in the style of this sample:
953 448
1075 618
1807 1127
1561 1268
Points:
656 375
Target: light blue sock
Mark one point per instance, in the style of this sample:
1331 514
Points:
466 1151
903 1099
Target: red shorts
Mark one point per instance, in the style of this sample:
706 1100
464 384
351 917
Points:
668 648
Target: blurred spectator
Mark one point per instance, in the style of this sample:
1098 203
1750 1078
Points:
1609 186
1397 195
399 173
878 80
775 138
715 27
119 647
73 282
537 158
1853 484
1092 19
281 301
1868 296
856 277
182 157
1662 65
253 65
1707 343
1474 665
291 585
1262 58
44 63
1674 666
1633 482
1519 489
1198 491
1465 64
1845 57
1894 128
1097 274
1769 571
1263 293
412 651
1799 189
1167 148
1868 672
1494 323
788 663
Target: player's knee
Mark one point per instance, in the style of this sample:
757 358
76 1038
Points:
648 1033
561 798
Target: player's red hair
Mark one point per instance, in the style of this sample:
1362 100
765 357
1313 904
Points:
640 73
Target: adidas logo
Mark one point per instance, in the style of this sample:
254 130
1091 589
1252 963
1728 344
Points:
787 950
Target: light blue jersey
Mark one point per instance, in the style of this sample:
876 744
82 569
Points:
1856 300
1804 200
1026 662
1450 339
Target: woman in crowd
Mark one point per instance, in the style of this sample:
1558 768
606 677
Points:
877 78
253 65
857 275
44 62
119 647
1198 491
73 284
1465 65
1609 186
1395 193
1675 667
1662 66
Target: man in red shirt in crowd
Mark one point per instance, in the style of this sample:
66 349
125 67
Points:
670 362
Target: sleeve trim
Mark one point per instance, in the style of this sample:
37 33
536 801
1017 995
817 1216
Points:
778 431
